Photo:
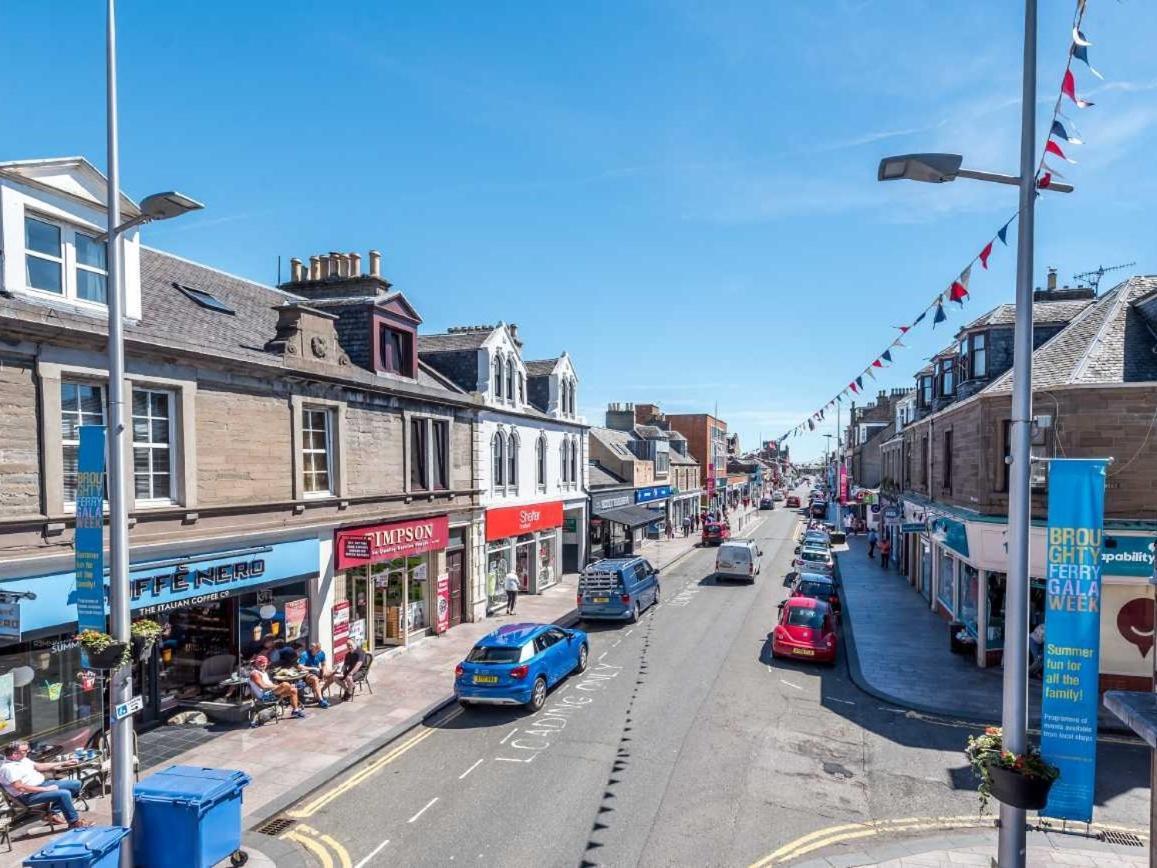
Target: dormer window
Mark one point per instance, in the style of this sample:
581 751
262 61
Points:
947 378
498 377
63 260
978 355
926 390
396 351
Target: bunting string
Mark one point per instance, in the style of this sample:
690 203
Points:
957 290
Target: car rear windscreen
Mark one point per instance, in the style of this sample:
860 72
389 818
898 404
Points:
813 556
494 654
798 616
815 589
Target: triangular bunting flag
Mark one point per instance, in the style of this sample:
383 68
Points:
877 364
887 356
1079 39
870 374
860 382
1069 89
922 315
898 343
903 328
957 293
984 254
811 425
1045 180
1051 170
940 315
1081 53
1058 130
965 276
1003 233
1052 147
855 390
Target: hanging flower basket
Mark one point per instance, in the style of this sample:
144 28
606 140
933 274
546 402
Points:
101 651
1018 780
145 633
1018 790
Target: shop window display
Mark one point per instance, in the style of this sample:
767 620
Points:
547 559
47 697
281 612
968 587
947 582
497 566
524 561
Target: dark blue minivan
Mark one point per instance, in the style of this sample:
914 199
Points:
617 589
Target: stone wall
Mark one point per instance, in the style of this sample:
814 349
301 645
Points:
244 447
19 445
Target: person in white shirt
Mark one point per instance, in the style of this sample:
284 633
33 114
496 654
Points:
264 690
24 781
511 585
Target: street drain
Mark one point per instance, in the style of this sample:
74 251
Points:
275 827
1127 839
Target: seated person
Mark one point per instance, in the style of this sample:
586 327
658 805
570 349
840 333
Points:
264 690
286 668
24 781
354 662
313 659
283 655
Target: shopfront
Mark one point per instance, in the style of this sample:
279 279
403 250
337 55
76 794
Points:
388 574
657 499
215 609
618 525
525 539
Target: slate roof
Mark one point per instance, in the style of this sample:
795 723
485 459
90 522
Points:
1108 342
1043 313
678 458
597 476
611 438
449 342
650 432
540 367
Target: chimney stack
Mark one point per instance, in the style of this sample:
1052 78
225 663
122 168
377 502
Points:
375 264
295 270
1052 279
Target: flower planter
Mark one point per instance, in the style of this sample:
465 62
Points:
107 658
1017 790
142 647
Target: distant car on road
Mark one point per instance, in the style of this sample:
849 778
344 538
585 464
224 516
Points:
819 508
792 501
779 495
766 503
518 663
715 533
806 629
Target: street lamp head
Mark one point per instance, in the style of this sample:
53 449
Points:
163 206
931 168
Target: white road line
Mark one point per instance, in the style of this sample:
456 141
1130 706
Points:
428 804
374 852
843 701
629 632
615 644
789 684
604 654
508 735
469 769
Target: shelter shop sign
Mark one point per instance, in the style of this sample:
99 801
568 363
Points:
358 546
516 520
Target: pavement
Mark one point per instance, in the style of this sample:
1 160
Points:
900 649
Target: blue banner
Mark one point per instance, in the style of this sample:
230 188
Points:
1072 638
90 529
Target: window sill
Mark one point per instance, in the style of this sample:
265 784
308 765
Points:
319 495
59 299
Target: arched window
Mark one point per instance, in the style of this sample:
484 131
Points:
521 388
564 450
512 456
574 461
540 461
510 380
497 376
562 397
498 461
570 397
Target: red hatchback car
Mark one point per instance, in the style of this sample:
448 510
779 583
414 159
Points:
806 630
792 501
716 533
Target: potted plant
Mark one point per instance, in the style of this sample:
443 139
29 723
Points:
145 633
1020 780
102 651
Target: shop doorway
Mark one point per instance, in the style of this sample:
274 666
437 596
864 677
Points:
454 565
389 596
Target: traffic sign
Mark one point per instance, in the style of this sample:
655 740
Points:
125 709
875 508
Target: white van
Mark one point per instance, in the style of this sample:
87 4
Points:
738 559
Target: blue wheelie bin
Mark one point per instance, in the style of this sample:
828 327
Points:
188 817
95 847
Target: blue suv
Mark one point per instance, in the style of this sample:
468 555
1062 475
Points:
617 589
518 663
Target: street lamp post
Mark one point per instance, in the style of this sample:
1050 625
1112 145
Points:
938 168
160 206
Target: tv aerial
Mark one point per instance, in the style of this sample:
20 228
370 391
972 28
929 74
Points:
1093 278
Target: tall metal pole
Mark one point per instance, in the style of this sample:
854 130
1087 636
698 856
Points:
1011 852
121 688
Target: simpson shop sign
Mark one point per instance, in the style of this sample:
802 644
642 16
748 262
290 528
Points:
358 546
516 520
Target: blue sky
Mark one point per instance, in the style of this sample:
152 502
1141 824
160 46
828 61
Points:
682 194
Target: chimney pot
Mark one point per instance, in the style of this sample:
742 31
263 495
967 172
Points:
315 268
375 264
1052 279
295 270
355 265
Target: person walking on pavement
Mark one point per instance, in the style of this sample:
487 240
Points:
849 525
872 540
885 550
669 529
511 585
686 526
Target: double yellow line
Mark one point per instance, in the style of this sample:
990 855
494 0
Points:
370 769
321 845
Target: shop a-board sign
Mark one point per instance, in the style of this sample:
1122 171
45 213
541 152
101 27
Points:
370 544
442 597
341 629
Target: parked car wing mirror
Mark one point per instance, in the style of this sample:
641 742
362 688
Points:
797 550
